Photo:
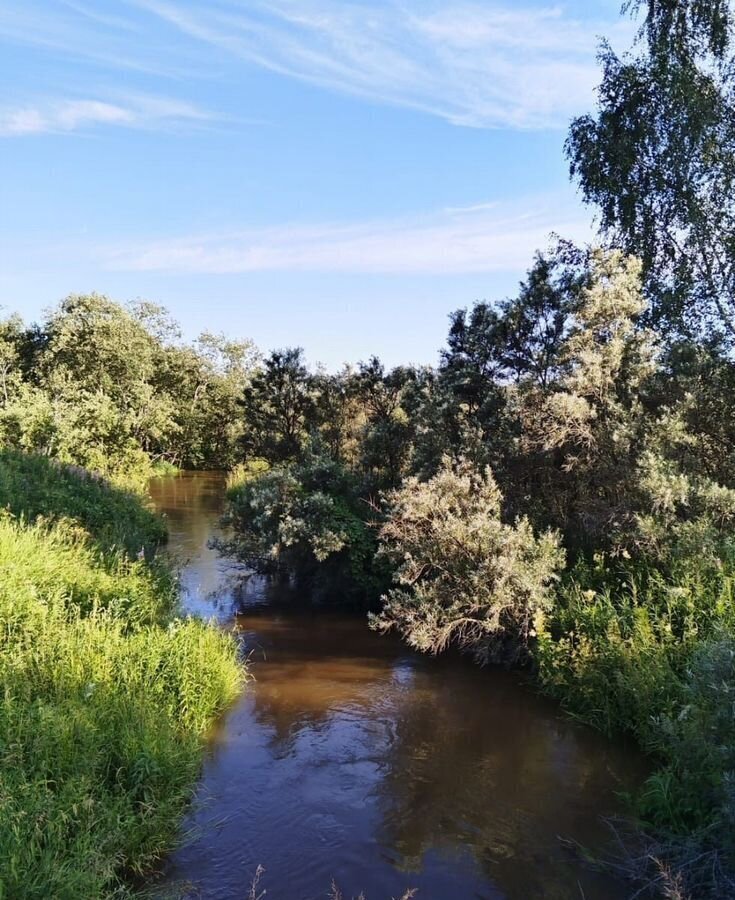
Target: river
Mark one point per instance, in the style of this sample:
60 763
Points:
351 758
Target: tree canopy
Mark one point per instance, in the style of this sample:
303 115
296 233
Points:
658 160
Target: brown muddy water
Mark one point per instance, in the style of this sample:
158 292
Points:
350 758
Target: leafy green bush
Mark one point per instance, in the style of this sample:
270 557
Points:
620 635
308 520
463 576
697 743
243 472
631 647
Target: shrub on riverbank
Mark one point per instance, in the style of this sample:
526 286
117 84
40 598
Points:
463 577
306 520
632 649
106 697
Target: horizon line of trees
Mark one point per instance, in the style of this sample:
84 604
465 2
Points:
114 389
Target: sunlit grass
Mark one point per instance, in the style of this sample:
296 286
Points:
242 473
115 518
106 700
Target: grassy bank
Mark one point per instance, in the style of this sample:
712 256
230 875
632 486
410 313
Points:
653 654
116 519
106 696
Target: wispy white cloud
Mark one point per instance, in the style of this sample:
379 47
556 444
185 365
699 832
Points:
473 64
504 64
483 238
99 17
80 33
59 116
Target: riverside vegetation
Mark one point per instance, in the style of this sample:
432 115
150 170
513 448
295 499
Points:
559 493
556 494
106 694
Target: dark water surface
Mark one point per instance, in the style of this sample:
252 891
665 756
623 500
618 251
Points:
351 758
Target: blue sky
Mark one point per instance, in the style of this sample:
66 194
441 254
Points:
330 174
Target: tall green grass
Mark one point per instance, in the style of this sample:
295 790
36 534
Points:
35 486
60 557
106 699
243 473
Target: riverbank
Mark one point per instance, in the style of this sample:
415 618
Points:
107 694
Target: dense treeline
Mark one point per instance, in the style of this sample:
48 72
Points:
113 389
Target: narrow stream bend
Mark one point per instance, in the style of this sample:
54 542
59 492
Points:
352 759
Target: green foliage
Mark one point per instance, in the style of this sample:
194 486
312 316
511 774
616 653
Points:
33 487
308 520
106 698
244 472
698 380
628 626
277 407
657 159
492 348
386 431
589 422
628 647
113 390
48 556
206 381
698 745
518 338
463 576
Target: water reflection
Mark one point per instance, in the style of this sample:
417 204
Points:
193 503
351 758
